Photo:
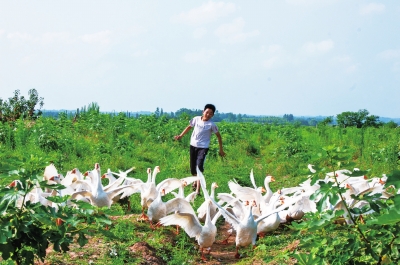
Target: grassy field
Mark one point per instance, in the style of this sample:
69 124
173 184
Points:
119 142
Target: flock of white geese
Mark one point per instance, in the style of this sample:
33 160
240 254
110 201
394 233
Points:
251 211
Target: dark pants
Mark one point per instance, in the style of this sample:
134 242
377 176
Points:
197 157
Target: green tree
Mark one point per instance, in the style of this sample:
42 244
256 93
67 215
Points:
327 120
157 112
357 119
19 107
288 117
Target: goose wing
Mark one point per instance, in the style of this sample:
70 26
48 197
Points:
187 221
50 171
262 217
230 218
168 185
252 179
189 180
237 208
203 183
179 205
244 193
191 197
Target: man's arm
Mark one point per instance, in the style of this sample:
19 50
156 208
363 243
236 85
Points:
178 137
221 149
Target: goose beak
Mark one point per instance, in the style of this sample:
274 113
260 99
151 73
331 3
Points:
12 184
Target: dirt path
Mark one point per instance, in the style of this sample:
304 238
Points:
220 253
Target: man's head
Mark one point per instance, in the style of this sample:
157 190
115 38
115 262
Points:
208 112
210 106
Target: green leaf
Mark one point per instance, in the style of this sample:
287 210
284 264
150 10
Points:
390 218
5 233
6 250
393 179
82 240
307 259
375 207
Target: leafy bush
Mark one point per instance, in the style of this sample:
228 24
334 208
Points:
27 227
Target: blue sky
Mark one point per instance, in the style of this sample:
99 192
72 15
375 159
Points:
300 57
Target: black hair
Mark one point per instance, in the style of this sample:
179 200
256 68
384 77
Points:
210 106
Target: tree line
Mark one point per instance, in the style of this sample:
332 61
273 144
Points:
30 108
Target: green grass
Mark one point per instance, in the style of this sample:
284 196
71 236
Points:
119 143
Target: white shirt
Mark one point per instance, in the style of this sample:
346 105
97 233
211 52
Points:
202 131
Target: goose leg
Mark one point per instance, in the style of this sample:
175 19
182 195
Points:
129 206
143 217
203 258
237 255
225 241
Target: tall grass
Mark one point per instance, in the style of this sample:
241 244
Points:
119 142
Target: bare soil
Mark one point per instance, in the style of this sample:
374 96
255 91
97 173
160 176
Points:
220 253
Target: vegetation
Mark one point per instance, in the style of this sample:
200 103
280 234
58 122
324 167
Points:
358 119
120 141
18 107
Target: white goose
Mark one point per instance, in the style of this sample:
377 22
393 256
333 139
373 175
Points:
296 209
246 228
272 222
248 194
158 209
268 192
148 190
235 207
205 206
204 234
181 192
170 184
98 197
116 182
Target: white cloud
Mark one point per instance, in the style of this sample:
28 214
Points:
53 37
276 56
102 37
345 62
342 59
208 12
351 69
199 33
271 62
2 31
318 47
141 53
19 36
389 54
45 38
372 8
275 48
202 56
396 67
302 2
233 32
